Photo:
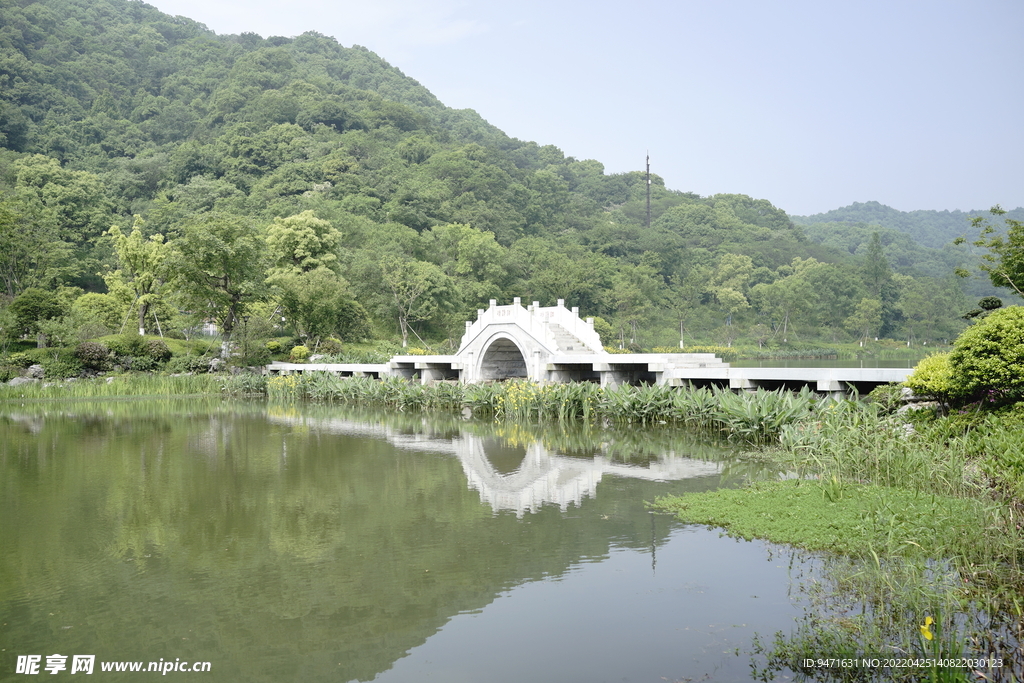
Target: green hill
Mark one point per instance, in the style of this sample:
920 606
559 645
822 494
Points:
283 173
930 228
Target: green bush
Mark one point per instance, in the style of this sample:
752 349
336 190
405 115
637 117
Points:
8 372
258 355
157 350
138 363
330 345
194 364
934 376
888 397
63 366
989 355
274 346
20 360
92 355
299 354
128 344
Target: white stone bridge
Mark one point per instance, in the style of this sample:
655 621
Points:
553 344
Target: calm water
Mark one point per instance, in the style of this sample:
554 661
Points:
318 544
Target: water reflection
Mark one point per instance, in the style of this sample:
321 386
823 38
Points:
518 470
284 543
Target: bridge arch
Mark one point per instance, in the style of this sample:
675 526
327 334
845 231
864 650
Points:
502 358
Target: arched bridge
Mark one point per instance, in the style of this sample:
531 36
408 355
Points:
553 344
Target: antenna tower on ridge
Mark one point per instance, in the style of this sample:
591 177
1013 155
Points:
648 190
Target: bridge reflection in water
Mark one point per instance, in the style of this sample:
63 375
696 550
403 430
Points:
519 478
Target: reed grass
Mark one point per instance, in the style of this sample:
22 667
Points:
756 417
142 384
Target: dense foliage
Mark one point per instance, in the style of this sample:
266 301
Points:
165 175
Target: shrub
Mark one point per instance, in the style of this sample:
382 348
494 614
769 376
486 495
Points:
934 376
888 397
92 354
257 355
180 364
8 372
990 354
157 350
330 345
138 363
128 344
20 360
274 346
299 354
62 366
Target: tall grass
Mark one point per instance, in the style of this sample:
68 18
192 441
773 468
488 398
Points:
142 384
755 417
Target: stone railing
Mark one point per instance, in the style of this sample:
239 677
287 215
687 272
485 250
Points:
535 320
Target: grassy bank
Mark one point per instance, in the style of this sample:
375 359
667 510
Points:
114 386
921 528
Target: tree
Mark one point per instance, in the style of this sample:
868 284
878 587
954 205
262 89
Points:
415 288
302 243
1004 261
787 296
635 292
217 265
876 266
729 283
866 318
32 308
935 376
32 254
140 276
320 305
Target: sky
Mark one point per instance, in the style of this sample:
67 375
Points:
812 105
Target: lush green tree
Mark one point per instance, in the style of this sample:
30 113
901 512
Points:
32 308
140 273
687 294
635 293
1004 261
934 376
104 311
73 201
302 243
320 304
866 318
218 267
32 254
729 282
417 290
786 297
876 266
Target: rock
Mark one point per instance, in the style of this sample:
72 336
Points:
216 364
18 381
924 405
35 371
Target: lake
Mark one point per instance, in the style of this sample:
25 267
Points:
315 543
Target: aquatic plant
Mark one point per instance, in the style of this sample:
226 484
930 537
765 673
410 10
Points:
143 384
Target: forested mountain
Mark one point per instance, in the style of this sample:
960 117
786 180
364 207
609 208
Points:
933 229
256 177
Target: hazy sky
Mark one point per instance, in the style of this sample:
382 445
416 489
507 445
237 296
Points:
811 104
